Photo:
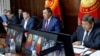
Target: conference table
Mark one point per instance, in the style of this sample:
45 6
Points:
2 44
83 51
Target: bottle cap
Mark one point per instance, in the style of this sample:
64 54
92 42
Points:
12 39
33 51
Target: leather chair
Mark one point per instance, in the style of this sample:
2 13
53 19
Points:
97 23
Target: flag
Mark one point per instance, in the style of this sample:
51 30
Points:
91 7
38 45
29 42
55 7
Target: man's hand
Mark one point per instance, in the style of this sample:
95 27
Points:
77 43
4 24
93 50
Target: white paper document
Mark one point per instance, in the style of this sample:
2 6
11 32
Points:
83 50
1 54
96 53
79 49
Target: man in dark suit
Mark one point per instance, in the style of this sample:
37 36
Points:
19 15
50 23
28 22
11 17
87 34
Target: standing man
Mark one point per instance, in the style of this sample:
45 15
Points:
28 22
19 15
87 34
50 23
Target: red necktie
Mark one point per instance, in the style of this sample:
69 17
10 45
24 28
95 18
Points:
46 25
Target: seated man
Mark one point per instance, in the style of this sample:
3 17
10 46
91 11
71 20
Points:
4 16
87 34
11 17
28 22
4 20
50 23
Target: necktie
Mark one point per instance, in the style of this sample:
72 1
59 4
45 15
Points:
46 25
19 16
86 36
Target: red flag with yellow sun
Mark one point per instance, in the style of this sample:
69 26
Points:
89 7
55 7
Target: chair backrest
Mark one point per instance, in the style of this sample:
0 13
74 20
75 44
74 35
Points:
2 29
1 20
97 23
36 22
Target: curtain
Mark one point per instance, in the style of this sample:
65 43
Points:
4 4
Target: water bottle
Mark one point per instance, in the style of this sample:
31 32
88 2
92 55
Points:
12 47
51 43
34 52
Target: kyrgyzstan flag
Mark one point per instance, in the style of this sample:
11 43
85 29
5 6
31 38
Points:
38 45
89 7
55 7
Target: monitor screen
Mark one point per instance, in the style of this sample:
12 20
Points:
10 34
40 41
57 50
67 48
17 34
66 40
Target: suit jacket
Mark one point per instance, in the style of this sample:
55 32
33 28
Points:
19 19
93 39
13 20
30 24
54 25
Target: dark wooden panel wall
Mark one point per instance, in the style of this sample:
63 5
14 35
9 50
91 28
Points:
69 10
35 7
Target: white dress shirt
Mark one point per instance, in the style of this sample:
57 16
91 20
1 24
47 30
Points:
25 24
